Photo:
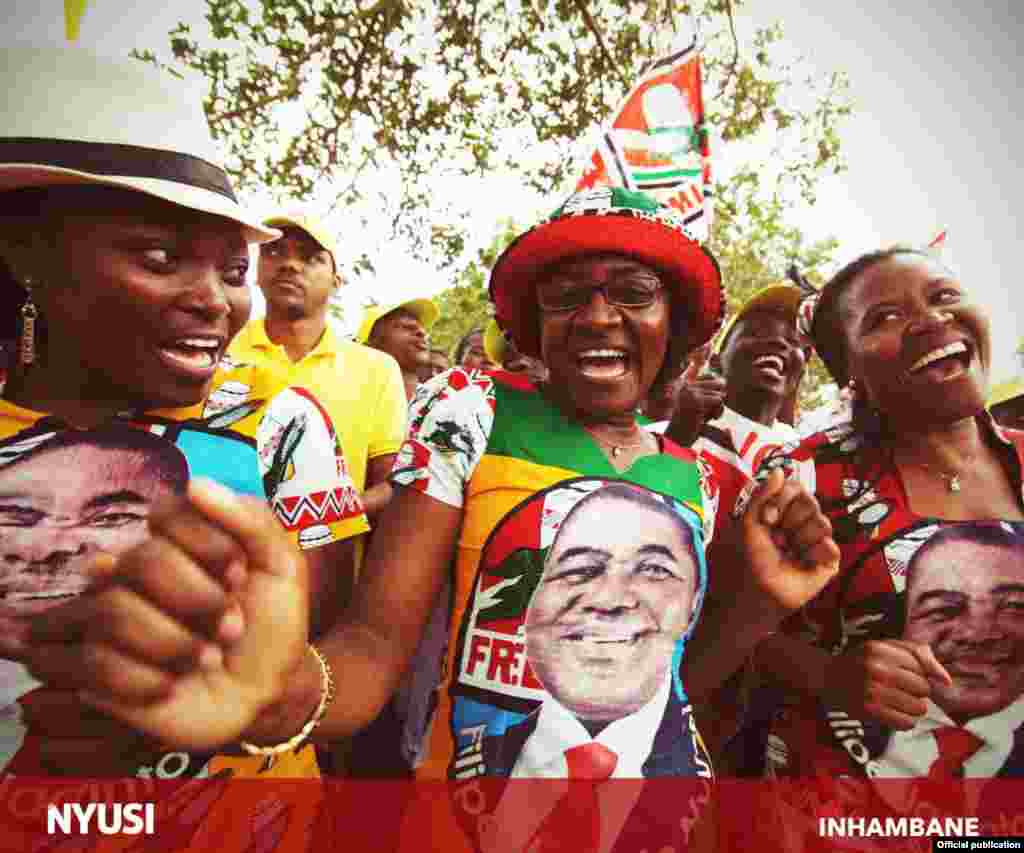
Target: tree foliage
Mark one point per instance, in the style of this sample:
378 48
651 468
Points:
379 100
465 305
385 104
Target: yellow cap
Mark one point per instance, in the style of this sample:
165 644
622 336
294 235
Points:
1004 391
424 310
775 297
312 225
494 342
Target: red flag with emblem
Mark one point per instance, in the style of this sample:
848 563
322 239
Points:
658 141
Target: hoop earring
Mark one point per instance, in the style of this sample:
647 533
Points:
27 340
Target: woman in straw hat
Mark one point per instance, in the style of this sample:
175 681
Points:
601 292
920 456
123 258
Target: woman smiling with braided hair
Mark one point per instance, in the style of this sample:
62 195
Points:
921 454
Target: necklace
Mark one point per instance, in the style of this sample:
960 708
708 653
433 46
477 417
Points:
618 448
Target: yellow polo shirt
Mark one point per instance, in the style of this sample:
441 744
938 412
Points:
360 387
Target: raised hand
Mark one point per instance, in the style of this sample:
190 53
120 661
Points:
773 559
194 633
699 398
787 544
884 680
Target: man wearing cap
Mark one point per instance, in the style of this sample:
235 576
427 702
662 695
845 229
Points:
401 331
361 389
759 361
732 413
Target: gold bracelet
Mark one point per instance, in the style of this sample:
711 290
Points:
327 693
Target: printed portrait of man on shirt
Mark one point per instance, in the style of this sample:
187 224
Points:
965 598
577 637
66 497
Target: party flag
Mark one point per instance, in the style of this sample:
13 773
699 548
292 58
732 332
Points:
658 140
73 11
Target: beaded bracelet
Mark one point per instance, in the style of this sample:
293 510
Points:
327 692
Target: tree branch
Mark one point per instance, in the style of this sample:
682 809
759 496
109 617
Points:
582 6
245 111
352 184
735 48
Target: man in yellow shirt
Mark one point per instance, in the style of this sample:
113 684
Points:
360 387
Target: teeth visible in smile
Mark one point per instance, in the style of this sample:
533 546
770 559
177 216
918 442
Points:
200 343
194 356
36 596
602 639
936 354
602 353
770 361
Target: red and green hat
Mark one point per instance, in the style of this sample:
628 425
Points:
601 221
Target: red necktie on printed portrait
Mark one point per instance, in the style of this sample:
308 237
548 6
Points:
956 745
575 823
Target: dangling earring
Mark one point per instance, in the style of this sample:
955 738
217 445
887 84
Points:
27 341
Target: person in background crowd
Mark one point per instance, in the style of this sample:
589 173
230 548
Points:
362 389
438 364
1006 403
502 351
471 353
920 455
755 371
735 393
124 254
600 305
401 331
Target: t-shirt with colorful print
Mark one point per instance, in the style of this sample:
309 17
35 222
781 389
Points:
70 493
575 587
957 586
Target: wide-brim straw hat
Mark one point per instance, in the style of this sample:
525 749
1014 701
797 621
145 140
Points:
423 310
608 221
74 118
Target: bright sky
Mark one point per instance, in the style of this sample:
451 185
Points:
934 143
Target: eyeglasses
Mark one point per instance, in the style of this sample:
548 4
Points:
631 291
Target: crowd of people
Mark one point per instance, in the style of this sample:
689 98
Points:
589 543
